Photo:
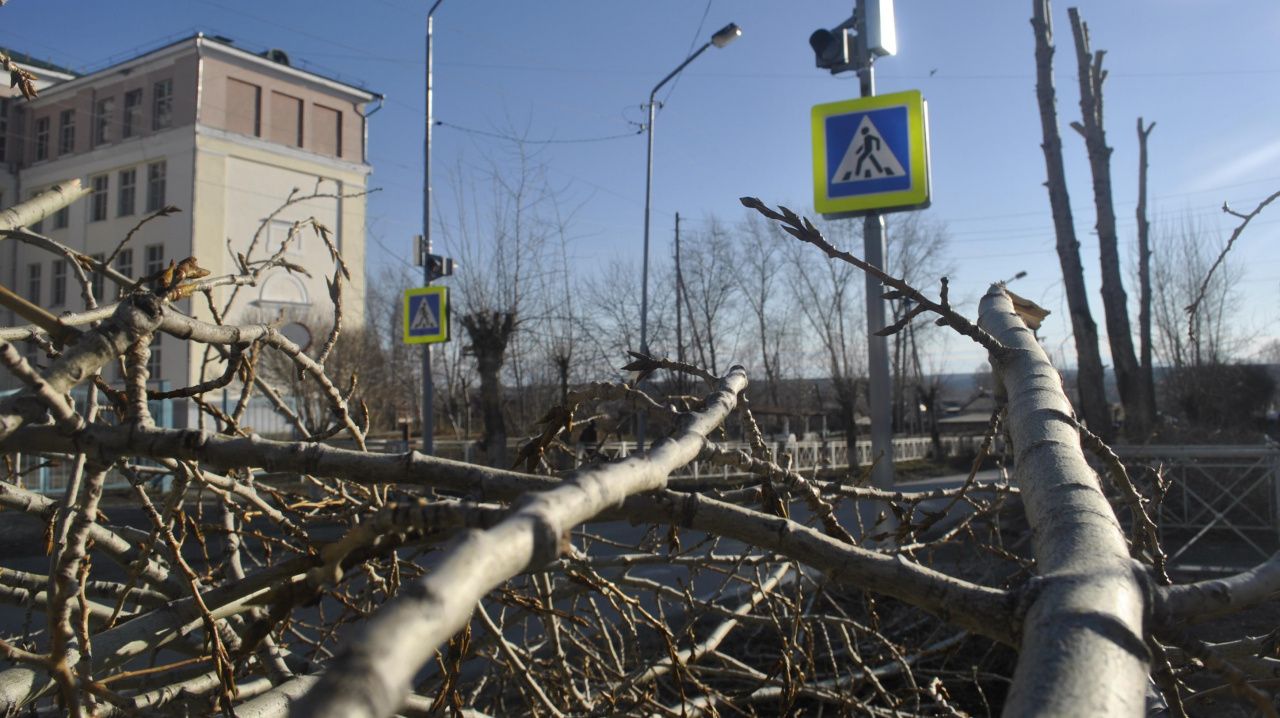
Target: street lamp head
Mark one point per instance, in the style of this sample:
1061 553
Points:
726 35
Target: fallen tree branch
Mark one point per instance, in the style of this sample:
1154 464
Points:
372 675
1085 609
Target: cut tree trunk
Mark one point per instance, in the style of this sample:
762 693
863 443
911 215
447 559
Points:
1144 274
1114 301
490 333
1089 378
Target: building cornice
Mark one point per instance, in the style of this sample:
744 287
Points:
257 143
353 93
124 68
201 43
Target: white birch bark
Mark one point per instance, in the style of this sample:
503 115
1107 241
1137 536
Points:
371 675
1083 650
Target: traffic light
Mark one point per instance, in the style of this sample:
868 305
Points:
835 49
438 266
851 44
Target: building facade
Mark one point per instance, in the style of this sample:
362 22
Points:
225 135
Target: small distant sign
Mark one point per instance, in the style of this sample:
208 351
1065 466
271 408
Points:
426 315
871 154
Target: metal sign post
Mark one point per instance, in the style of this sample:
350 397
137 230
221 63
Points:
870 155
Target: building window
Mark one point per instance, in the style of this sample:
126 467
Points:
154 260
278 232
59 277
105 116
61 218
33 283
153 362
326 130
244 107
124 263
162 105
126 200
42 138
66 132
155 186
132 113
286 119
98 200
95 281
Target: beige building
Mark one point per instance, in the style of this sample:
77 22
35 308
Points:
225 135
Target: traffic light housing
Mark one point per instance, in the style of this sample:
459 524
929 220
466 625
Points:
835 50
438 266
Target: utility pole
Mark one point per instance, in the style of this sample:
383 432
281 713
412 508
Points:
428 390
679 313
723 36
873 250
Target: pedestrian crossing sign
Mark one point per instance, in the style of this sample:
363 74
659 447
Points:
426 315
871 154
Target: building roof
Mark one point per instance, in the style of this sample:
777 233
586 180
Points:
23 58
271 56
279 57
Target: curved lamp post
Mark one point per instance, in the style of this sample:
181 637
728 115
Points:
722 37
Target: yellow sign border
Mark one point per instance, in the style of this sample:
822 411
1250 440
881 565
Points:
915 197
443 335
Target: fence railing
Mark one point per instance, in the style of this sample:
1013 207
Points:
1221 505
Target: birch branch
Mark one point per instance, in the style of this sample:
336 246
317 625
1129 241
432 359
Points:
1083 644
25 214
372 675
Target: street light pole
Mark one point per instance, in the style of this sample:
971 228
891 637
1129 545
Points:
722 37
428 389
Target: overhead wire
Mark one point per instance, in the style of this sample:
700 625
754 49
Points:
550 141
692 43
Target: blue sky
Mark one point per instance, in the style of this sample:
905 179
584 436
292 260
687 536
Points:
737 120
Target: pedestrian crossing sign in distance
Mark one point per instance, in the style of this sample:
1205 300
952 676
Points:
871 154
426 315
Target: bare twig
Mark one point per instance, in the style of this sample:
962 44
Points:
1245 219
804 230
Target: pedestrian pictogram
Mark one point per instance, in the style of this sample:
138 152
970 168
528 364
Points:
424 319
870 154
868 157
426 315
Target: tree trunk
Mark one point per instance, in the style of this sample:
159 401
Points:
562 368
1144 274
490 332
1089 379
847 398
1114 300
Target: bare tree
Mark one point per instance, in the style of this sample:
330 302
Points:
1089 379
1183 256
708 285
761 262
916 249
1133 390
501 243
826 295
1144 275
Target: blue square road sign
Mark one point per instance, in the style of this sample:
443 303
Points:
871 154
426 315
